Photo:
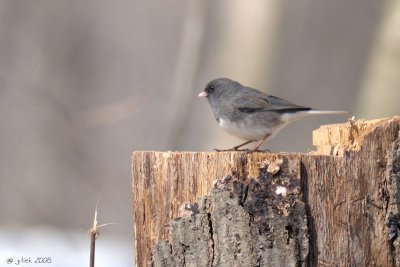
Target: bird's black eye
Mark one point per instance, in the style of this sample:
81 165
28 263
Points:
210 88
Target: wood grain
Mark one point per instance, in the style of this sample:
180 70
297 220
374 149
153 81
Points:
348 189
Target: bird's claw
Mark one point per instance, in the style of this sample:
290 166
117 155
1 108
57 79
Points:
247 150
230 149
224 150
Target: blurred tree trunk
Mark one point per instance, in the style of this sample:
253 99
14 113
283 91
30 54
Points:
181 94
382 77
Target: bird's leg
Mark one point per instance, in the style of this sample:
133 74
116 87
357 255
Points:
245 143
262 141
235 148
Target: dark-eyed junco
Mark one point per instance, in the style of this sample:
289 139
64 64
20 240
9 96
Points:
250 114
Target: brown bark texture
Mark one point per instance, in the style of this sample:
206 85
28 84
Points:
336 206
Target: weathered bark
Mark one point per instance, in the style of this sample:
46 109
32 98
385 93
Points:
353 199
273 209
243 223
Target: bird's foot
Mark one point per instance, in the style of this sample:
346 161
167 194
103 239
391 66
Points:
258 150
243 150
230 149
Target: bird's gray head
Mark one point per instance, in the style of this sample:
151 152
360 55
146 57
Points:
220 88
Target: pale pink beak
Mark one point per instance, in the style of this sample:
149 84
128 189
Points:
203 94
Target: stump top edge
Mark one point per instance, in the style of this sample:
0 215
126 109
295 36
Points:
372 122
222 153
335 139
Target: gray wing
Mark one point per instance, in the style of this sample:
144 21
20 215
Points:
252 101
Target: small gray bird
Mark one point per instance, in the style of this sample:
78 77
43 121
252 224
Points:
250 114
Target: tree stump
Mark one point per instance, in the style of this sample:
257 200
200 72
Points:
336 206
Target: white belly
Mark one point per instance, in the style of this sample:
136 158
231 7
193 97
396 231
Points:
244 131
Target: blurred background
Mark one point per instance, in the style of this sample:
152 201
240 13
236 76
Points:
85 83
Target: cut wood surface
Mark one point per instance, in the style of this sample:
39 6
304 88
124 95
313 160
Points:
336 206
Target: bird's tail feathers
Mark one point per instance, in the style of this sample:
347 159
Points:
321 112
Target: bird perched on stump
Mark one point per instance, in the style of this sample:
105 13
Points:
250 114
